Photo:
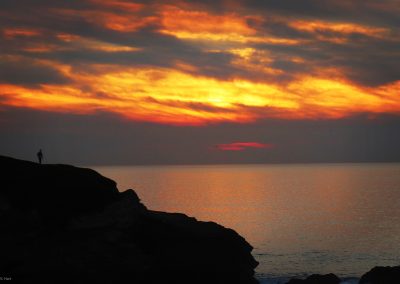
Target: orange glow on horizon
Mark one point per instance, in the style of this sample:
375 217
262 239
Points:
240 146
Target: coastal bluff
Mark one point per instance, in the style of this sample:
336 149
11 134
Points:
64 224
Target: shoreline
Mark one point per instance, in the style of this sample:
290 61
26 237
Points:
284 280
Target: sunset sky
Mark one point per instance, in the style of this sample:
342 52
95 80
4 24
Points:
177 82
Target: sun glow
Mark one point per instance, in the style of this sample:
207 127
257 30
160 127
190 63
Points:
230 66
170 96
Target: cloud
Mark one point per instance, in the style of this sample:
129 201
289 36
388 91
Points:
26 72
240 146
371 11
180 98
201 62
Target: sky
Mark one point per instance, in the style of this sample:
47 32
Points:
200 82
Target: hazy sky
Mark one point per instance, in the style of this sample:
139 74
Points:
235 81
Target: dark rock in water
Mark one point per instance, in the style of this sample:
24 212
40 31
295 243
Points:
62 224
382 275
317 279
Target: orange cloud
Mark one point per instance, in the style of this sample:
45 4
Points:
203 26
11 33
344 28
124 24
175 19
78 42
122 5
128 21
181 92
170 96
240 146
339 31
74 42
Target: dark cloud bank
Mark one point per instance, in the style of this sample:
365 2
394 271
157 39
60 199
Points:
107 139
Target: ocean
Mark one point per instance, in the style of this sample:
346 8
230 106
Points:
300 218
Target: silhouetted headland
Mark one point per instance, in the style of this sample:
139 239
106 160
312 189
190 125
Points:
63 224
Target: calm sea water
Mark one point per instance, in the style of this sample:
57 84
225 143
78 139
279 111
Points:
301 219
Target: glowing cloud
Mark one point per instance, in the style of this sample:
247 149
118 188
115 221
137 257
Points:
240 146
338 32
174 97
343 28
192 64
18 32
203 26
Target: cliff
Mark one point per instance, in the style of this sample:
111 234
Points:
63 224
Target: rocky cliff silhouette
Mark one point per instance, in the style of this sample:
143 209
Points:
63 224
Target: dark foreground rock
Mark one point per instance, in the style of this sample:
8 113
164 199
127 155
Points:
62 224
317 279
382 275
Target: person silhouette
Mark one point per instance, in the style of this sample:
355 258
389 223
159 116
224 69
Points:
40 156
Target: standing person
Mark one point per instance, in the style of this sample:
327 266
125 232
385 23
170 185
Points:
40 156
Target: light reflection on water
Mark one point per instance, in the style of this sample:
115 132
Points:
301 219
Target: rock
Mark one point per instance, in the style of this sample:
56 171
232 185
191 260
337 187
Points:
56 192
71 225
382 275
317 279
